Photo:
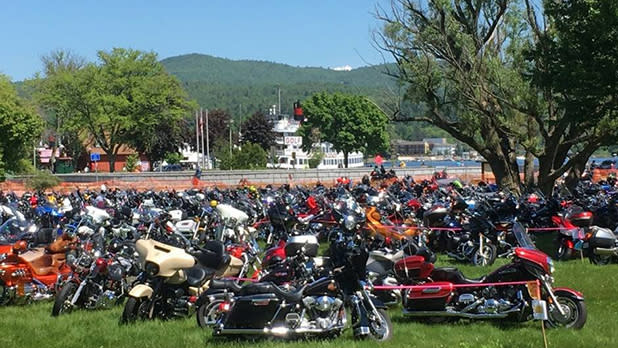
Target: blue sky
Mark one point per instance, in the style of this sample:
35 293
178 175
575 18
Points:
300 33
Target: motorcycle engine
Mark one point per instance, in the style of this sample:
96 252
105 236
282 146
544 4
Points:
324 309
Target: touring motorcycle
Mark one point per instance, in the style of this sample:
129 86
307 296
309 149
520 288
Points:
443 293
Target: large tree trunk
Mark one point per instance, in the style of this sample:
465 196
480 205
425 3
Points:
506 172
529 170
345 158
111 159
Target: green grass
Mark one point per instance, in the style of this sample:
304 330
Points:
32 326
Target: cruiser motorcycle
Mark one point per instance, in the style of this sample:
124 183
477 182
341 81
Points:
317 308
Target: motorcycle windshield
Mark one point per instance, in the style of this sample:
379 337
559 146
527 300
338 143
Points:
523 238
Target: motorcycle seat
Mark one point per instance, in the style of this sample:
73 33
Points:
40 262
453 275
268 287
197 274
226 284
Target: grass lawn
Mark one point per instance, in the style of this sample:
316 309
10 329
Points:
32 325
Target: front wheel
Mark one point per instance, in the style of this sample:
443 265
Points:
574 310
381 327
62 303
563 252
486 256
134 309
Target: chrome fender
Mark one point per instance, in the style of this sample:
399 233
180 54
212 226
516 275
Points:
141 290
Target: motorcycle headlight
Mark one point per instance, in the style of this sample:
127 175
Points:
2 257
349 222
550 262
151 268
32 228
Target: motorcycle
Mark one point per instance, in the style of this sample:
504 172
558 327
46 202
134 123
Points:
33 274
447 293
97 281
317 308
173 278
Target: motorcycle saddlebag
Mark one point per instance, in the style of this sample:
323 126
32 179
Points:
253 312
429 297
412 267
602 238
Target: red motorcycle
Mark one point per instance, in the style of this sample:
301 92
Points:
33 274
572 234
510 292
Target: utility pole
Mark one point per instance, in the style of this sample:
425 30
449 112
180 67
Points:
230 126
239 121
279 93
198 125
207 141
202 129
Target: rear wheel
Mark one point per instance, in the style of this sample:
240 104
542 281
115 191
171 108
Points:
208 313
486 256
62 303
574 309
600 260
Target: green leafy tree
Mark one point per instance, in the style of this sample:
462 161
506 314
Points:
257 129
124 99
349 122
58 69
20 126
249 156
469 64
173 158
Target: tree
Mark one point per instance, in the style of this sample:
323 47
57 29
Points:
127 98
257 129
349 122
20 126
575 59
249 156
468 64
58 67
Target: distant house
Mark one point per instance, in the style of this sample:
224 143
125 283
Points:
439 146
410 148
121 159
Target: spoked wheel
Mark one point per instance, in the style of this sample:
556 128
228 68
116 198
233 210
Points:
600 260
62 303
575 312
486 256
208 313
381 327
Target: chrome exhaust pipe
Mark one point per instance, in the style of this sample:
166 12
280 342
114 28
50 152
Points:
606 251
408 313
280 331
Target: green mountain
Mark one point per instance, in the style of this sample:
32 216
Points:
247 86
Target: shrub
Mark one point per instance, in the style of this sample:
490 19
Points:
42 180
131 163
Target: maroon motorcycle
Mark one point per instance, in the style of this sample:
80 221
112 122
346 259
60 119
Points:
509 292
